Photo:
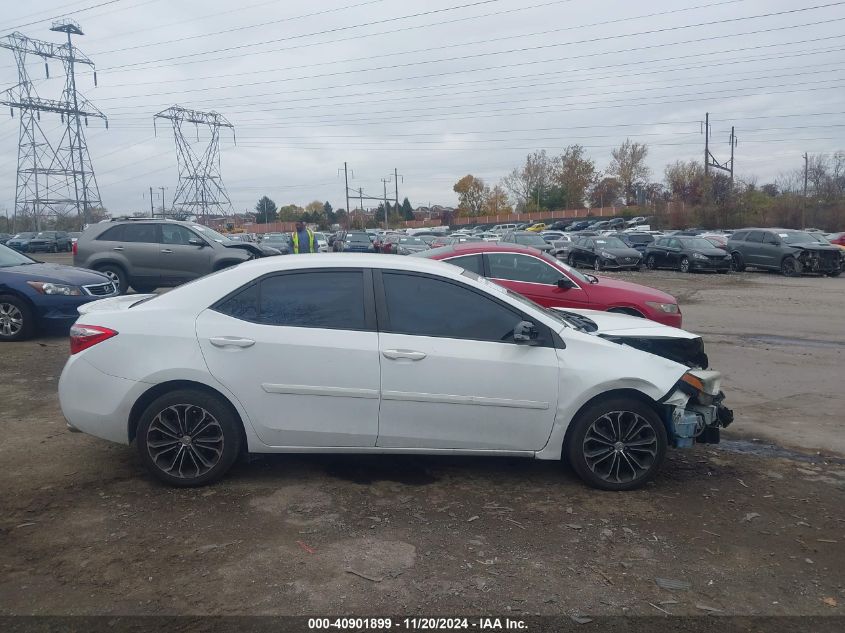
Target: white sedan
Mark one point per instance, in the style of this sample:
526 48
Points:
372 354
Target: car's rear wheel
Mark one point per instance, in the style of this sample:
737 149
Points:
143 290
16 319
684 265
737 263
189 438
790 267
651 262
116 275
598 264
571 261
618 444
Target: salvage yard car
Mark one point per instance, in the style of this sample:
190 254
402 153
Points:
552 284
393 355
43 297
604 252
150 254
686 254
790 252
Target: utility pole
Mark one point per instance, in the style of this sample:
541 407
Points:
396 184
163 212
706 144
384 182
733 145
804 200
346 182
361 202
152 211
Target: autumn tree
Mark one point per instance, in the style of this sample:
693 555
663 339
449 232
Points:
470 192
605 192
629 168
574 174
496 201
530 183
685 180
265 211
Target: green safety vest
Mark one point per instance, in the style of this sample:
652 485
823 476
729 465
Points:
296 241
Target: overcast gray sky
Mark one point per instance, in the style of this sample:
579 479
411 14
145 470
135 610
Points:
438 88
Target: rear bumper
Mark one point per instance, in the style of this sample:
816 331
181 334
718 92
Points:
104 415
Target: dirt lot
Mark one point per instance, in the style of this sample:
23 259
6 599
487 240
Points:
755 525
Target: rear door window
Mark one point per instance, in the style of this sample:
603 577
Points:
754 236
146 233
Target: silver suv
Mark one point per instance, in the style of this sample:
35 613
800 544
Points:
150 254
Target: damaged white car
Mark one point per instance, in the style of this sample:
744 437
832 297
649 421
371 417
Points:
380 354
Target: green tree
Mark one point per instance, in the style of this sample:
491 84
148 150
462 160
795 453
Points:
407 210
265 211
605 192
574 173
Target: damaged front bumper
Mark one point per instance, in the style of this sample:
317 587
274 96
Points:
695 410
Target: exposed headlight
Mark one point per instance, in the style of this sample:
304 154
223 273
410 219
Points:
669 308
607 255
699 256
47 288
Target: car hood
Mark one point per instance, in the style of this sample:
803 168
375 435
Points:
645 335
245 246
609 286
620 252
55 273
824 248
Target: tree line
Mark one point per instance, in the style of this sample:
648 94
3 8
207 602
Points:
685 194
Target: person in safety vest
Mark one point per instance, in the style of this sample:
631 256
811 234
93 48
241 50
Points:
303 239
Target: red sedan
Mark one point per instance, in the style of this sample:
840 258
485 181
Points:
553 284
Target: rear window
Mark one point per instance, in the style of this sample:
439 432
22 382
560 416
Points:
114 234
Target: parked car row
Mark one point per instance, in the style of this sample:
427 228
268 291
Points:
46 241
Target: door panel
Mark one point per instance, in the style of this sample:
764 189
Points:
181 261
300 352
467 394
457 382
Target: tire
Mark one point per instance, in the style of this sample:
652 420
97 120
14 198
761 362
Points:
17 323
641 456
201 455
597 264
737 263
651 263
722 272
116 274
835 273
571 261
54 248
790 267
144 290
684 266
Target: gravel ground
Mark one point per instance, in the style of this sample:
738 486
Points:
754 526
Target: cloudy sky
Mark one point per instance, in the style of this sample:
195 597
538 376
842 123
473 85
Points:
436 88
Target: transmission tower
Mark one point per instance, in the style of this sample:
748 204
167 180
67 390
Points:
52 179
200 190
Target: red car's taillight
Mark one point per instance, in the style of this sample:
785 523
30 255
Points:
73 248
84 336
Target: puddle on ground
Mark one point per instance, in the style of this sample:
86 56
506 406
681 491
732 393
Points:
773 339
762 449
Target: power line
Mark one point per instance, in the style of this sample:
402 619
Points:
498 66
55 17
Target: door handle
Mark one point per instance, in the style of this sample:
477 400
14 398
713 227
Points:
231 341
166 250
396 354
117 248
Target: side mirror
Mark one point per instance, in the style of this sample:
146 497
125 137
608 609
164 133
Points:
564 283
525 332
196 242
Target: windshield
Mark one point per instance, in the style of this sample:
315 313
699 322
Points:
211 234
796 237
8 257
530 240
358 237
24 236
45 234
698 244
279 237
610 242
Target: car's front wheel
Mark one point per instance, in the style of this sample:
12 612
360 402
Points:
617 444
651 262
790 267
598 264
115 275
189 437
684 265
16 319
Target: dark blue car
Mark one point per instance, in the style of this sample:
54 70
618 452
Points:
38 297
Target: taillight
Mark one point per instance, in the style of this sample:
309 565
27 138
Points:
84 336
73 248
